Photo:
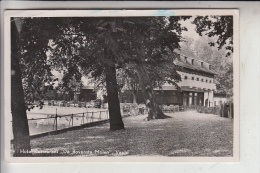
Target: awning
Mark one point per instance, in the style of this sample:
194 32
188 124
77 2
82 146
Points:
166 87
88 87
194 89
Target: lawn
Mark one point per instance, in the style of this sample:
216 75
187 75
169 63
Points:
184 134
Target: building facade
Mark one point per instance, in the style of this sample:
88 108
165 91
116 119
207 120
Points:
197 81
219 99
86 93
196 87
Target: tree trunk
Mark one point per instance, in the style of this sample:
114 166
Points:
21 135
154 110
115 118
134 93
21 141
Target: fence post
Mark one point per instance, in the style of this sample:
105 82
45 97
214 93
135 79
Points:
72 120
56 119
222 110
83 118
232 109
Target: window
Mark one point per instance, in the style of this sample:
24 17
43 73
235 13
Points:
210 81
206 80
192 78
185 77
201 64
201 80
192 61
198 79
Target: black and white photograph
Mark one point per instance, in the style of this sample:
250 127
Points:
130 85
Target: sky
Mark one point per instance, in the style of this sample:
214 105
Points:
191 29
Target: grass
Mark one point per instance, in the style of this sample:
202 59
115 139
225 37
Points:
184 134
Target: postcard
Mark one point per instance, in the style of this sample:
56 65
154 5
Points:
121 85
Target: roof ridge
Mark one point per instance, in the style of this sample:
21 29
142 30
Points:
181 52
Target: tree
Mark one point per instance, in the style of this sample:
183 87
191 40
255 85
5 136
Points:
71 80
219 26
151 42
100 45
142 43
221 29
127 79
92 39
29 44
20 124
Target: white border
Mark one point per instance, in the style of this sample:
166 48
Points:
249 110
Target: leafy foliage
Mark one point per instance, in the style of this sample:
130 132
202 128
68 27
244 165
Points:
32 43
219 26
132 41
151 45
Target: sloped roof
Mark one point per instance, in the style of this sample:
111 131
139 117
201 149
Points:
187 53
184 59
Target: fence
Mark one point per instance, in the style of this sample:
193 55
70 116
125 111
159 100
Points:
209 110
227 110
129 108
57 122
48 122
224 110
63 103
135 109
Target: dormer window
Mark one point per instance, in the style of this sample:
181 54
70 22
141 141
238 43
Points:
206 81
201 64
186 60
186 77
192 78
202 80
198 79
210 67
192 61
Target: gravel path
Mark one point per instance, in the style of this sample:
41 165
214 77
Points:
184 134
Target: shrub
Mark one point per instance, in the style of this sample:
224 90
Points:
224 110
